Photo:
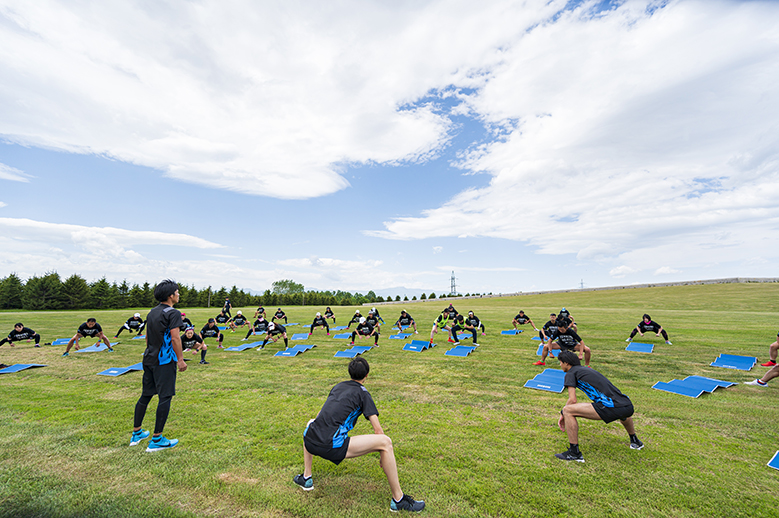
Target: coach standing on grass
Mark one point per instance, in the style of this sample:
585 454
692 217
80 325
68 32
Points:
161 358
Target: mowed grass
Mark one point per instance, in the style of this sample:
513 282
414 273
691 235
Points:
469 439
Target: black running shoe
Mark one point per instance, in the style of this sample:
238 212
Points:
569 455
636 444
407 503
306 484
203 362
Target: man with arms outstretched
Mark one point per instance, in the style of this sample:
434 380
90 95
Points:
608 404
327 436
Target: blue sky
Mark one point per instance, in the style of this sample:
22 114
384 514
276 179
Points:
365 145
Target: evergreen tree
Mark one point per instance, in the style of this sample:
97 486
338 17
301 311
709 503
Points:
100 294
43 292
76 293
11 292
122 299
135 297
422 297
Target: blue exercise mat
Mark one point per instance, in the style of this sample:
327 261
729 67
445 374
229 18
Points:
552 352
337 328
342 336
118 371
291 324
418 346
547 385
536 338
138 337
511 332
295 350
346 354
221 328
399 336
460 350
731 361
637 347
676 388
243 347
20 367
723 384
95 348
774 462
61 341
299 336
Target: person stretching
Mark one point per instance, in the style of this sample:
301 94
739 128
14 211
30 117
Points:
648 325
364 330
91 329
319 321
19 333
566 340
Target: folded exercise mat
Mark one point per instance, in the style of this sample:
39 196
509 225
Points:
118 371
418 346
295 350
511 332
221 328
95 348
337 328
681 389
346 354
61 341
460 350
638 347
723 384
550 380
362 348
731 361
20 367
290 324
399 336
299 336
243 347
138 337
774 462
342 336
552 352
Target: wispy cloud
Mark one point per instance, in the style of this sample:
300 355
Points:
13 174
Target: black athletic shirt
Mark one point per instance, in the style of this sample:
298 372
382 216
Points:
345 403
239 320
279 314
473 321
372 320
328 313
550 327
159 345
85 330
221 319
209 332
596 386
185 323
277 330
564 313
364 329
189 343
651 326
25 334
522 319
319 321
134 323
405 321
355 319
567 340
260 325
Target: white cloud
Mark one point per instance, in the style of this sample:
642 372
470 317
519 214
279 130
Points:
628 132
11 173
3 204
621 271
665 270
438 249
267 99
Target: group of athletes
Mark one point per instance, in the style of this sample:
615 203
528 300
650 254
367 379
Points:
169 334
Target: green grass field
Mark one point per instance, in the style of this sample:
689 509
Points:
469 439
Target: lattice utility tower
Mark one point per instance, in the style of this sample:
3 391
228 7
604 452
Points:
453 289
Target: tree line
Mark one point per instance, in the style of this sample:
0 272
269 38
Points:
49 291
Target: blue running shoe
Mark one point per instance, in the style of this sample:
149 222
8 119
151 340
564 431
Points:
306 484
161 443
65 354
139 436
407 503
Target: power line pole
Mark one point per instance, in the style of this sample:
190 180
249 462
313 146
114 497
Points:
453 288
582 284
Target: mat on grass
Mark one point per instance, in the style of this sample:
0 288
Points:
732 361
221 328
638 347
552 352
354 351
61 341
692 386
138 337
460 350
511 332
774 462
342 336
536 338
20 367
118 371
399 336
299 336
95 348
295 350
291 324
418 346
337 328
243 347
550 380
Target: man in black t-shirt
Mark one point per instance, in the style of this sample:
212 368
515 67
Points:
260 326
647 325
406 320
329 313
373 319
134 323
91 329
211 330
522 319
275 331
161 359
327 436
260 311
355 319
238 321
20 333
191 341
226 307
475 321
376 313
278 315
221 319
319 321
461 325
565 316
365 330
608 404
185 323
566 340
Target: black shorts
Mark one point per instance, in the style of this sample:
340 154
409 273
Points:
160 380
609 414
334 455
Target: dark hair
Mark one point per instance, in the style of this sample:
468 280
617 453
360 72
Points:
359 368
569 357
647 317
18 324
165 289
563 323
553 315
91 320
521 311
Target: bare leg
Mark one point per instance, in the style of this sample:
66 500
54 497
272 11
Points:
772 350
571 412
628 424
771 374
363 444
308 461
